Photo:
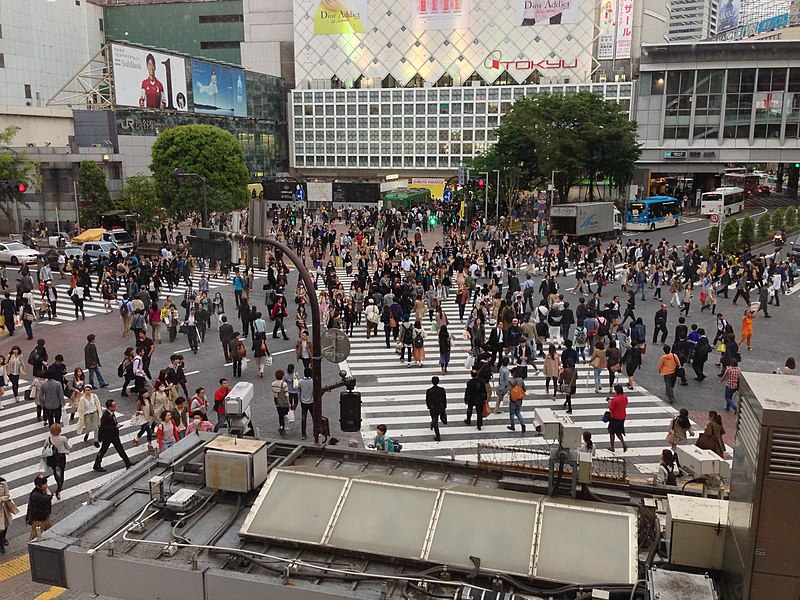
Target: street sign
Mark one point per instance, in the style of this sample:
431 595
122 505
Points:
462 175
300 194
715 218
448 195
335 346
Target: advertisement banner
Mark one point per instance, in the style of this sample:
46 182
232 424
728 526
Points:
428 15
320 191
624 28
728 15
547 12
608 23
333 17
148 79
219 90
435 185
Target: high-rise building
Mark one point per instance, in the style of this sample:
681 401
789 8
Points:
692 19
755 11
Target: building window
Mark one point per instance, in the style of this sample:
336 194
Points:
389 82
445 80
417 81
221 19
2 61
102 25
218 45
28 93
1 32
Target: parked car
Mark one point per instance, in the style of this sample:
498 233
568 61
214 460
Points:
17 253
98 250
72 253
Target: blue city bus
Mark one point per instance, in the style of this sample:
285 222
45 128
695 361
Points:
655 212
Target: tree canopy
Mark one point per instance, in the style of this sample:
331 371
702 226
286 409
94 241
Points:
14 167
579 136
208 151
140 196
95 197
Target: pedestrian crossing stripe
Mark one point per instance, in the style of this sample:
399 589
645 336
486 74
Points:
395 396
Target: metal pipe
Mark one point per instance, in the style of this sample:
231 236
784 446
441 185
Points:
316 317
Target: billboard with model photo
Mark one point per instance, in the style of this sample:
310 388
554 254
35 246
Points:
218 90
148 79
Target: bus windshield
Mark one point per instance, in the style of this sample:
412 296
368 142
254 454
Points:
636 207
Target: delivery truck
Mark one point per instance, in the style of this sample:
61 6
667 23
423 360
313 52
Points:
583 220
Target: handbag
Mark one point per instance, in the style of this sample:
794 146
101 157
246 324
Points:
27 316
615 368
671 438
392 322
487 410
268 360
137 420
183 329
721 347
680 372
606 416
469 362
565 387
11 506
48 451
292 416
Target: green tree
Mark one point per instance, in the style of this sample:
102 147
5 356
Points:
791 217
713 235
208 151
579 136
15 167
747 231
95 197
777 220
730 236
764 227
139 196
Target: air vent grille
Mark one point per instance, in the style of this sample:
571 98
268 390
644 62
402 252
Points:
784 454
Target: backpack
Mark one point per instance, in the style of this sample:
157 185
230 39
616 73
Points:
636 334
407 336
123 309
581 336
35 357
517 393
418 341
671 479
121 369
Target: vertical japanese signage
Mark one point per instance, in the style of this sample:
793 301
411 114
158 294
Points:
608 22
624 28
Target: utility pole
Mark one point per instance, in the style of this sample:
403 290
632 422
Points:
497 199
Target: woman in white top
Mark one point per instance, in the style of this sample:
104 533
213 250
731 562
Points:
15 367
57 461
89 411
3 377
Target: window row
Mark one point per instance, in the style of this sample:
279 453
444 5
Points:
440 108
381 123
715 81
441 162
397 135
622 90
467 149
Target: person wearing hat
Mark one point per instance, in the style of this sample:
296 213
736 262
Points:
40 506
89 411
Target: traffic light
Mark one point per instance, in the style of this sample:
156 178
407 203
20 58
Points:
291 220
479 181
432 220
16 186
350 411
797 165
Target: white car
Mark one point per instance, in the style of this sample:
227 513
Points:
17 253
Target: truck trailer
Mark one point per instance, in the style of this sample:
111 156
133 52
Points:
585 219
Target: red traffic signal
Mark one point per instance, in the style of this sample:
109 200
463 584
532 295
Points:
21 187
481 183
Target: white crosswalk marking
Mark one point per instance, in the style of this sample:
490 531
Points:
396 398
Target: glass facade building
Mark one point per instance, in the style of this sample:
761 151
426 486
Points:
423 129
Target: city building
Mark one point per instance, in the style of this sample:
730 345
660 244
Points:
420 87
692 19
703 106
254 34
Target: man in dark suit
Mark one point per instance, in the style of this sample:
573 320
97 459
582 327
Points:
8 308
109 436
475 398
436 401
225 337
497 338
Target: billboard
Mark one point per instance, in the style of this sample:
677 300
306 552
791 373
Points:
728 15
547 12
340 16
149 79
428 15
608 22
624 28
435 185
320 191
218 90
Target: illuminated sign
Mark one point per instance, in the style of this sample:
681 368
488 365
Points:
494 60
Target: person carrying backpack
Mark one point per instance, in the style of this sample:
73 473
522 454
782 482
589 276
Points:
405 340
665 474
418 344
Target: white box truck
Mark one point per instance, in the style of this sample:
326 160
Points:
583 220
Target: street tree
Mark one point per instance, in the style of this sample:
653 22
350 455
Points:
95 197
139 196
17 167
791 217
730 236
205 150
747 231
764 227
568 137
777 220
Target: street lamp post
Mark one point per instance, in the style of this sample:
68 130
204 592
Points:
497 199
316 319
178 173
